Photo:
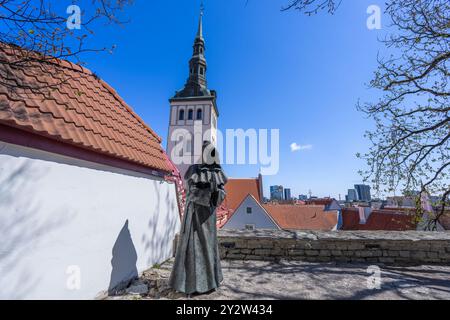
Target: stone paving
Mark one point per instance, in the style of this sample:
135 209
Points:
245 280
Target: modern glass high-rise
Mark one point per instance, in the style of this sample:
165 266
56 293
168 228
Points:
287 194
352 195
276 192
363 192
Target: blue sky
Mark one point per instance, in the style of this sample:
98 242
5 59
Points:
271 69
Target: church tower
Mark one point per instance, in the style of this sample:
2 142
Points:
193 111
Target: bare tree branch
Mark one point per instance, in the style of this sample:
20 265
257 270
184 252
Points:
311 7
37 32
410 144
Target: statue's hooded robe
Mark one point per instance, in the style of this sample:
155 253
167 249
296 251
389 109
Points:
197 261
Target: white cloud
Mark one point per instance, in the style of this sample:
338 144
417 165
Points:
296 147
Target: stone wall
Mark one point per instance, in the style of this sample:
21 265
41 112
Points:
389 247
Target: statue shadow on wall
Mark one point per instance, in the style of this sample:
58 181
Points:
123 262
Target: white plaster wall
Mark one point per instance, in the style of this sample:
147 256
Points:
62 217
258 217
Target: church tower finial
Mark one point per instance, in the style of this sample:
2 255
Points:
200 21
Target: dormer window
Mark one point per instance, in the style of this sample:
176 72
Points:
181 115
190 114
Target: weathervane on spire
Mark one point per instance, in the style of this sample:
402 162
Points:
202 8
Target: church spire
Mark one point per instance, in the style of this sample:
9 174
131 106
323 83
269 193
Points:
196 83
197 64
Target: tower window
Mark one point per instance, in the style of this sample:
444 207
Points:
190 114
192 70
199 114
181 115
202 71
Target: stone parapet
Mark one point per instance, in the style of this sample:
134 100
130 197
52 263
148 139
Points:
389 247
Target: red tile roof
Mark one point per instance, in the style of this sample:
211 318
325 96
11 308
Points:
302 217
75 107
238 189
378 220
444 220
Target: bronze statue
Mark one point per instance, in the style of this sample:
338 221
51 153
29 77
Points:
197 262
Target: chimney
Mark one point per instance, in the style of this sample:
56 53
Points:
362 215
261 189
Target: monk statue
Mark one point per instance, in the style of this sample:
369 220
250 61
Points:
197 267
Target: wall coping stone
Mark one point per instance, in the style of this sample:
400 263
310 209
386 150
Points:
336 235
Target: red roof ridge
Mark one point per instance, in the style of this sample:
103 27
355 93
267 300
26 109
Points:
129 109
47 58
244 179
70 65
320 206
255 178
